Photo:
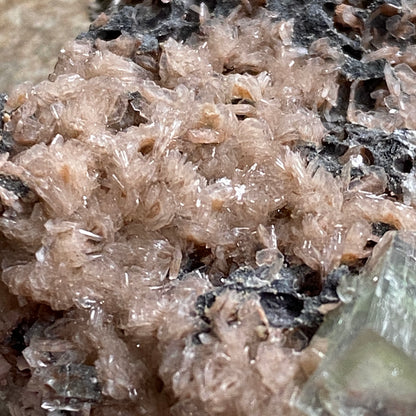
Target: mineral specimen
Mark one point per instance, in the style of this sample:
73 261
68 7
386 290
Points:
371 361
185 197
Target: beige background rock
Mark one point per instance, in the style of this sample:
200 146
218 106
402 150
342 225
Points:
31 34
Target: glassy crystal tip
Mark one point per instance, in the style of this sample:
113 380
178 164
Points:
370 364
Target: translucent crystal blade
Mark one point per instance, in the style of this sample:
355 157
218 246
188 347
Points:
370 365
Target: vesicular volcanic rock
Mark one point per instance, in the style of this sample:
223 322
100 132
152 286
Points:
182 197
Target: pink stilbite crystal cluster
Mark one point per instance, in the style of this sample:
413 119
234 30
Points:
131 165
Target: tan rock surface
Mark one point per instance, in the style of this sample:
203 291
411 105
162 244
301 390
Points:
31 34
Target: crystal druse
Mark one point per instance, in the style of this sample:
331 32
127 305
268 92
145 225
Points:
191 192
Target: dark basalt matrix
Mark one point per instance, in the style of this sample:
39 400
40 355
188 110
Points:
209 209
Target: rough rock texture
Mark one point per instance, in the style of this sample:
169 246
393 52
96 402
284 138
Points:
181 198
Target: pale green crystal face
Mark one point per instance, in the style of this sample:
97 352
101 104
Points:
370 366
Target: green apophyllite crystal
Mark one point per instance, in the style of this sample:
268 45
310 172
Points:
370 364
